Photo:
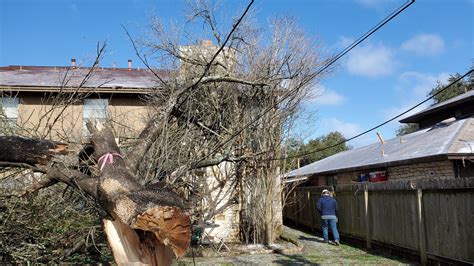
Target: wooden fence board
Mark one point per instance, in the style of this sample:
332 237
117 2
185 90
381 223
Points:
447 214
351 213
451 223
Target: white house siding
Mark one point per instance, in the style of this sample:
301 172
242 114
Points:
227 222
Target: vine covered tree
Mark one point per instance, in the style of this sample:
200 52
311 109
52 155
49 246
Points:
215 127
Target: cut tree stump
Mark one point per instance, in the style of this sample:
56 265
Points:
129 248
149 221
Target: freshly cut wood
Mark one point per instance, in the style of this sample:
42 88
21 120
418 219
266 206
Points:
132 247
149 224
157 224
169 224
153 224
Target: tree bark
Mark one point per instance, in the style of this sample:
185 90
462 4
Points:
30 151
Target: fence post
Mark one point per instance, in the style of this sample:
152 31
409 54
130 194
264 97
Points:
310 209
367 217
421 227
297 209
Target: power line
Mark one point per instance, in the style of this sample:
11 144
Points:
366 35
377 126
208 65
331 62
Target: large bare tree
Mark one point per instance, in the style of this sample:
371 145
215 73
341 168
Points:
237 108
224 105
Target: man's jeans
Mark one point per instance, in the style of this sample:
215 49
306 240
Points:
333 224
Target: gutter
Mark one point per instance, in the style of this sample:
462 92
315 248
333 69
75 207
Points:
437 157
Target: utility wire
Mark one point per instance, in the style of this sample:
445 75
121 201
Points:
331 62
208 65
377 126
365 36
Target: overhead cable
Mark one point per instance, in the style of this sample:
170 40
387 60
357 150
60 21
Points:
377 126
319 71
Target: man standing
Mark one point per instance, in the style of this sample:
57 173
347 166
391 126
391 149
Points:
327 207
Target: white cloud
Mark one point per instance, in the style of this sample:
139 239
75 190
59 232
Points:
327 97
424 44
416 85
392 111
347 129
371 61
376 4
412 88
343 42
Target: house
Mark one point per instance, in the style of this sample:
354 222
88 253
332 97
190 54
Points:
442 148
31 97
32 101
34 97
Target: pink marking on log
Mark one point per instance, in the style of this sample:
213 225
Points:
107 158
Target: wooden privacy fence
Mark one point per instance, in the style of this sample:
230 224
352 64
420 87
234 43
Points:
434 218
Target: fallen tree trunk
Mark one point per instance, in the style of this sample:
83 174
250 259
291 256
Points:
148 225
30 151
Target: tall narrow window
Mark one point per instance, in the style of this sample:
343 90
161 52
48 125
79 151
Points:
8 115
94 109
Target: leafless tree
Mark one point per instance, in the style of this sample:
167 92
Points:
235 108
216 125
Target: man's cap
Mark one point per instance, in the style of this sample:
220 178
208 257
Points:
325 191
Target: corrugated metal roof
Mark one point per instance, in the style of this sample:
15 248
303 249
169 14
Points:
45 76
443 139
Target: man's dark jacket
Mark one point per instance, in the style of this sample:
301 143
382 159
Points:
327 205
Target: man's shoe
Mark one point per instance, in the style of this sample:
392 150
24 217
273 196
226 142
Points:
337 242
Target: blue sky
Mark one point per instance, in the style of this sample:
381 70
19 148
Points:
391 71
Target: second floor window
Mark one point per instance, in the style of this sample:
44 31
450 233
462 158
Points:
94 109
8 115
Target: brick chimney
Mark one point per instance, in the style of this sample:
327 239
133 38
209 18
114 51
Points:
206 43
73 63
129 64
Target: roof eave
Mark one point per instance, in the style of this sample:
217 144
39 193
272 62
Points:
437 157
459 156
415 118
128 90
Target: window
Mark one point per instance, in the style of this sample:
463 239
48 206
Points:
94 109
8 114
331 180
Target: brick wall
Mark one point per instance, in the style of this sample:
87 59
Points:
344 178
436 170
441 169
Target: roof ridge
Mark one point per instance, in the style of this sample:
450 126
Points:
20 67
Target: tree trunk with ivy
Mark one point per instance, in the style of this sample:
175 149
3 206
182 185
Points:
145 224
226 102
